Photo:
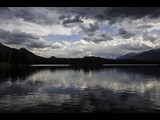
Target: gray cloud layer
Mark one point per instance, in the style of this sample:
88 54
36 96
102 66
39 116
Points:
125 34
91 28
149 37
97 38
21 38
85 20
113 14
29 14
144 26
68 20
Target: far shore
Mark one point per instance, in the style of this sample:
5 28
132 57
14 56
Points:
4 65
104 65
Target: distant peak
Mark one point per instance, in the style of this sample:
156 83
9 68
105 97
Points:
52 57
22 49
158 49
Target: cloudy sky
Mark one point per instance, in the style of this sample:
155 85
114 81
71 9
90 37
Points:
80 31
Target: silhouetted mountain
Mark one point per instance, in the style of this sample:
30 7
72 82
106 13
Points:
4 53
151 55
52 57
32 58
24 57
21 56
126 56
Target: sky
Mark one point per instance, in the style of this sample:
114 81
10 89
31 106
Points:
107 32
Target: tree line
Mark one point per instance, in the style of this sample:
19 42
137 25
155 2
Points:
21 58
14 57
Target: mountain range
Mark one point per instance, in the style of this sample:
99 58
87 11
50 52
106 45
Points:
23 56
7 53
150 55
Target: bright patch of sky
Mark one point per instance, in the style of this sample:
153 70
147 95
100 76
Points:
155 32
109 29
60 38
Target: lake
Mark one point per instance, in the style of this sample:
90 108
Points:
56 89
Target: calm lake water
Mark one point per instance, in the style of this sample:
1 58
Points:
64 89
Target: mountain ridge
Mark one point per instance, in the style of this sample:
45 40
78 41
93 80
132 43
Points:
24 56
150 55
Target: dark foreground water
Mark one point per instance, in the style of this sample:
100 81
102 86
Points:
64 89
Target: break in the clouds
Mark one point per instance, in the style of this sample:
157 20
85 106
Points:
81 31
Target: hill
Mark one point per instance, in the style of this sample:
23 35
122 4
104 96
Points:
24 57
148 56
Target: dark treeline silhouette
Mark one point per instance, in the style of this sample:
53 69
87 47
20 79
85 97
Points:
16 57
23 57
92 61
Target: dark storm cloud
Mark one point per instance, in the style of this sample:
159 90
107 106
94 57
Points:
101 39
35 44
97 38
112 21
130 12
125 34
149 37
6 14
29 14
82 11
113 14
43 16
133 12
15 37
134 47
144 26
74 20
21 38
91 28
62 17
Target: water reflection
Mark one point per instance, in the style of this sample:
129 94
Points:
67 89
